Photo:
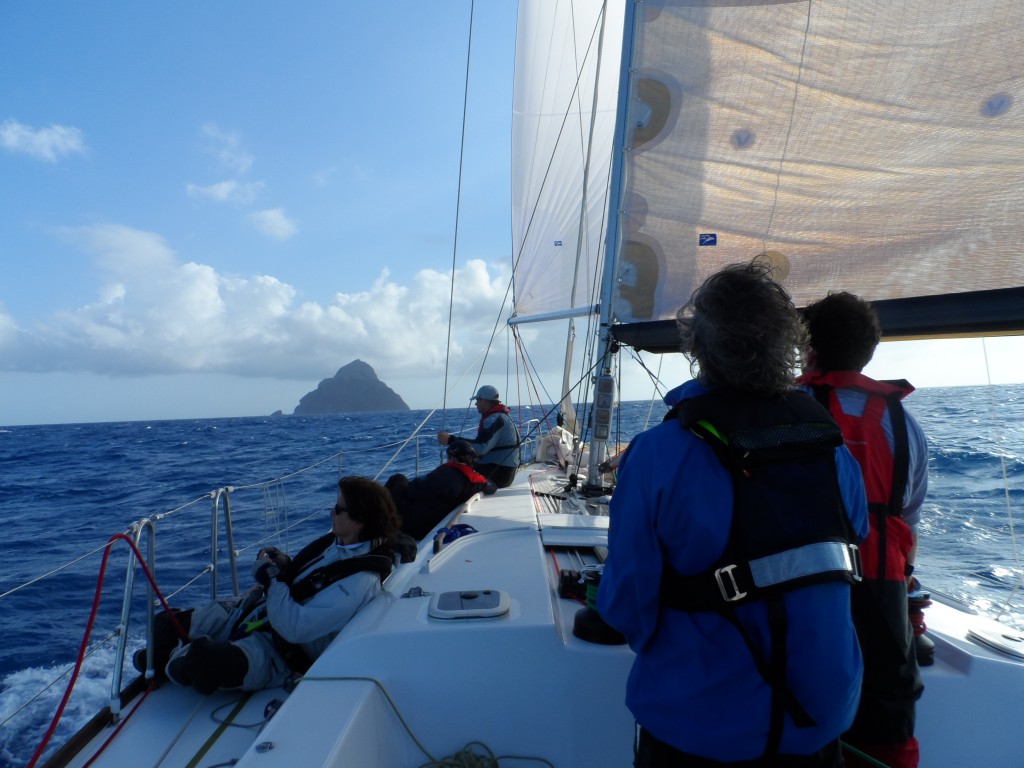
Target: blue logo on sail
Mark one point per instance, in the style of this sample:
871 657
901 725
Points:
707 238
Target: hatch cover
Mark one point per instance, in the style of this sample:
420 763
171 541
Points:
469 604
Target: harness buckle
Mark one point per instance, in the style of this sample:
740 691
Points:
856 567
732 586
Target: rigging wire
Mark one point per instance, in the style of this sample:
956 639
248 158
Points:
88 632
565 118
1000 439
789 128
458 210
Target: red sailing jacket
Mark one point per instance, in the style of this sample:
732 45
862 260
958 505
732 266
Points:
884 553
498 408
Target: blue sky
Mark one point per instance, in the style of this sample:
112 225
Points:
209 207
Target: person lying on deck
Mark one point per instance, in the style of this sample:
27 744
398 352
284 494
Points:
423 502
497 438
276 629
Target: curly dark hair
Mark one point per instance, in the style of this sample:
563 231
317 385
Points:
844 331
370 503
741 331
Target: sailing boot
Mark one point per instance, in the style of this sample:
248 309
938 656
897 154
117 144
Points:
165 640
208 665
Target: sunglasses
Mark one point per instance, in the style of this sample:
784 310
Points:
338 509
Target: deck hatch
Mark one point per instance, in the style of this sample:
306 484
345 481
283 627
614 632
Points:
469 604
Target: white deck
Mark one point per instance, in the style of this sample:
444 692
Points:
521 683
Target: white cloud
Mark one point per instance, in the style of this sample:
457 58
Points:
229 191
229 148
273 222
157 314
49 143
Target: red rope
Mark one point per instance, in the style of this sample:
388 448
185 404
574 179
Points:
120 725
88 633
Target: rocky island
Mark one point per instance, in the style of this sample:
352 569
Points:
354 388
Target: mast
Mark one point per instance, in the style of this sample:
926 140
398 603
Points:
604 383
568 410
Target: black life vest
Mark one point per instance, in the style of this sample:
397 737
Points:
789 525
380 560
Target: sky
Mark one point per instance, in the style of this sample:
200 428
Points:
207 208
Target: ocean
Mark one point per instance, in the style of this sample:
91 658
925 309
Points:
66 489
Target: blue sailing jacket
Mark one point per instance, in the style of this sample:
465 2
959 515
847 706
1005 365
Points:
693 684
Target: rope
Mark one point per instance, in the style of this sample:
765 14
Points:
1000 440
789 128
88 632
224 725
468 758
862 755
120 725
464 758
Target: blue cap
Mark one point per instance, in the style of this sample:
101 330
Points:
487 392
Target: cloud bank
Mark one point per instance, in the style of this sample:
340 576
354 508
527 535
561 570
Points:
158 314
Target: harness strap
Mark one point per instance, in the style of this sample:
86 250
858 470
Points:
774 673
777 624
326 575
762 577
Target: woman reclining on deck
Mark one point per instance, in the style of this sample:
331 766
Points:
278 627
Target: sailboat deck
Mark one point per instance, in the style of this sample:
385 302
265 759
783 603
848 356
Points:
519 682
401 685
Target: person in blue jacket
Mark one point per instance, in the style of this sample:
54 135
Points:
729 558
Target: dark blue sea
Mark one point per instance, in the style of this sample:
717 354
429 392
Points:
66 489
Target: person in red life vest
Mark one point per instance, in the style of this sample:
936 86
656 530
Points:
423 502
893 454
497 438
